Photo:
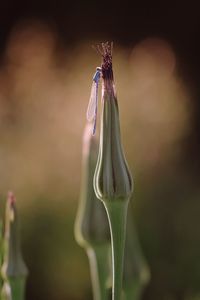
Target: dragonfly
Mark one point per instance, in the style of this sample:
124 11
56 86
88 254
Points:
93 102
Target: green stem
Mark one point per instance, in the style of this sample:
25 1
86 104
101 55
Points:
98 258
1 254
18 288
117 215
133 292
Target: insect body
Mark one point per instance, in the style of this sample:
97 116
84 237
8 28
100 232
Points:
93 102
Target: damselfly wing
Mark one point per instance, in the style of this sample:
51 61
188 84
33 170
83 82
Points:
93 102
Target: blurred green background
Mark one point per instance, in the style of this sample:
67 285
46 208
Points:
46 70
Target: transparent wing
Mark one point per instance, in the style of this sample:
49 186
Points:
91 110
95 114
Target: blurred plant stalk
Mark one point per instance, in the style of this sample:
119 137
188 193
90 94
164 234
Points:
136 272
112 180
91 226
14 270
1 251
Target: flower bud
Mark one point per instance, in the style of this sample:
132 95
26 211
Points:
91 226
14 270
112 179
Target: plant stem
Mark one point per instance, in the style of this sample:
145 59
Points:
1 253
14 269
133 292
18 288
117 215
99 258
136 272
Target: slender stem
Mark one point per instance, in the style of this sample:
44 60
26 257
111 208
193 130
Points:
98 258
18 288
133 292
117 214
1 253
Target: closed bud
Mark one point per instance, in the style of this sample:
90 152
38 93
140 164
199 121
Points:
91 226
112 180
14 270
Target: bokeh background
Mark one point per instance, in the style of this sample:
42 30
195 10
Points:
46 69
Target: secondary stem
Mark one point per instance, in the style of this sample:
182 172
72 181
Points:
117 214
133 292
18 288
98 258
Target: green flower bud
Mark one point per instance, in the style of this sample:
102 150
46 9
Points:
14 270
112 179
91 227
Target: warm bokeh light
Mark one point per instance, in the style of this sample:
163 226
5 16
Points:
43 106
